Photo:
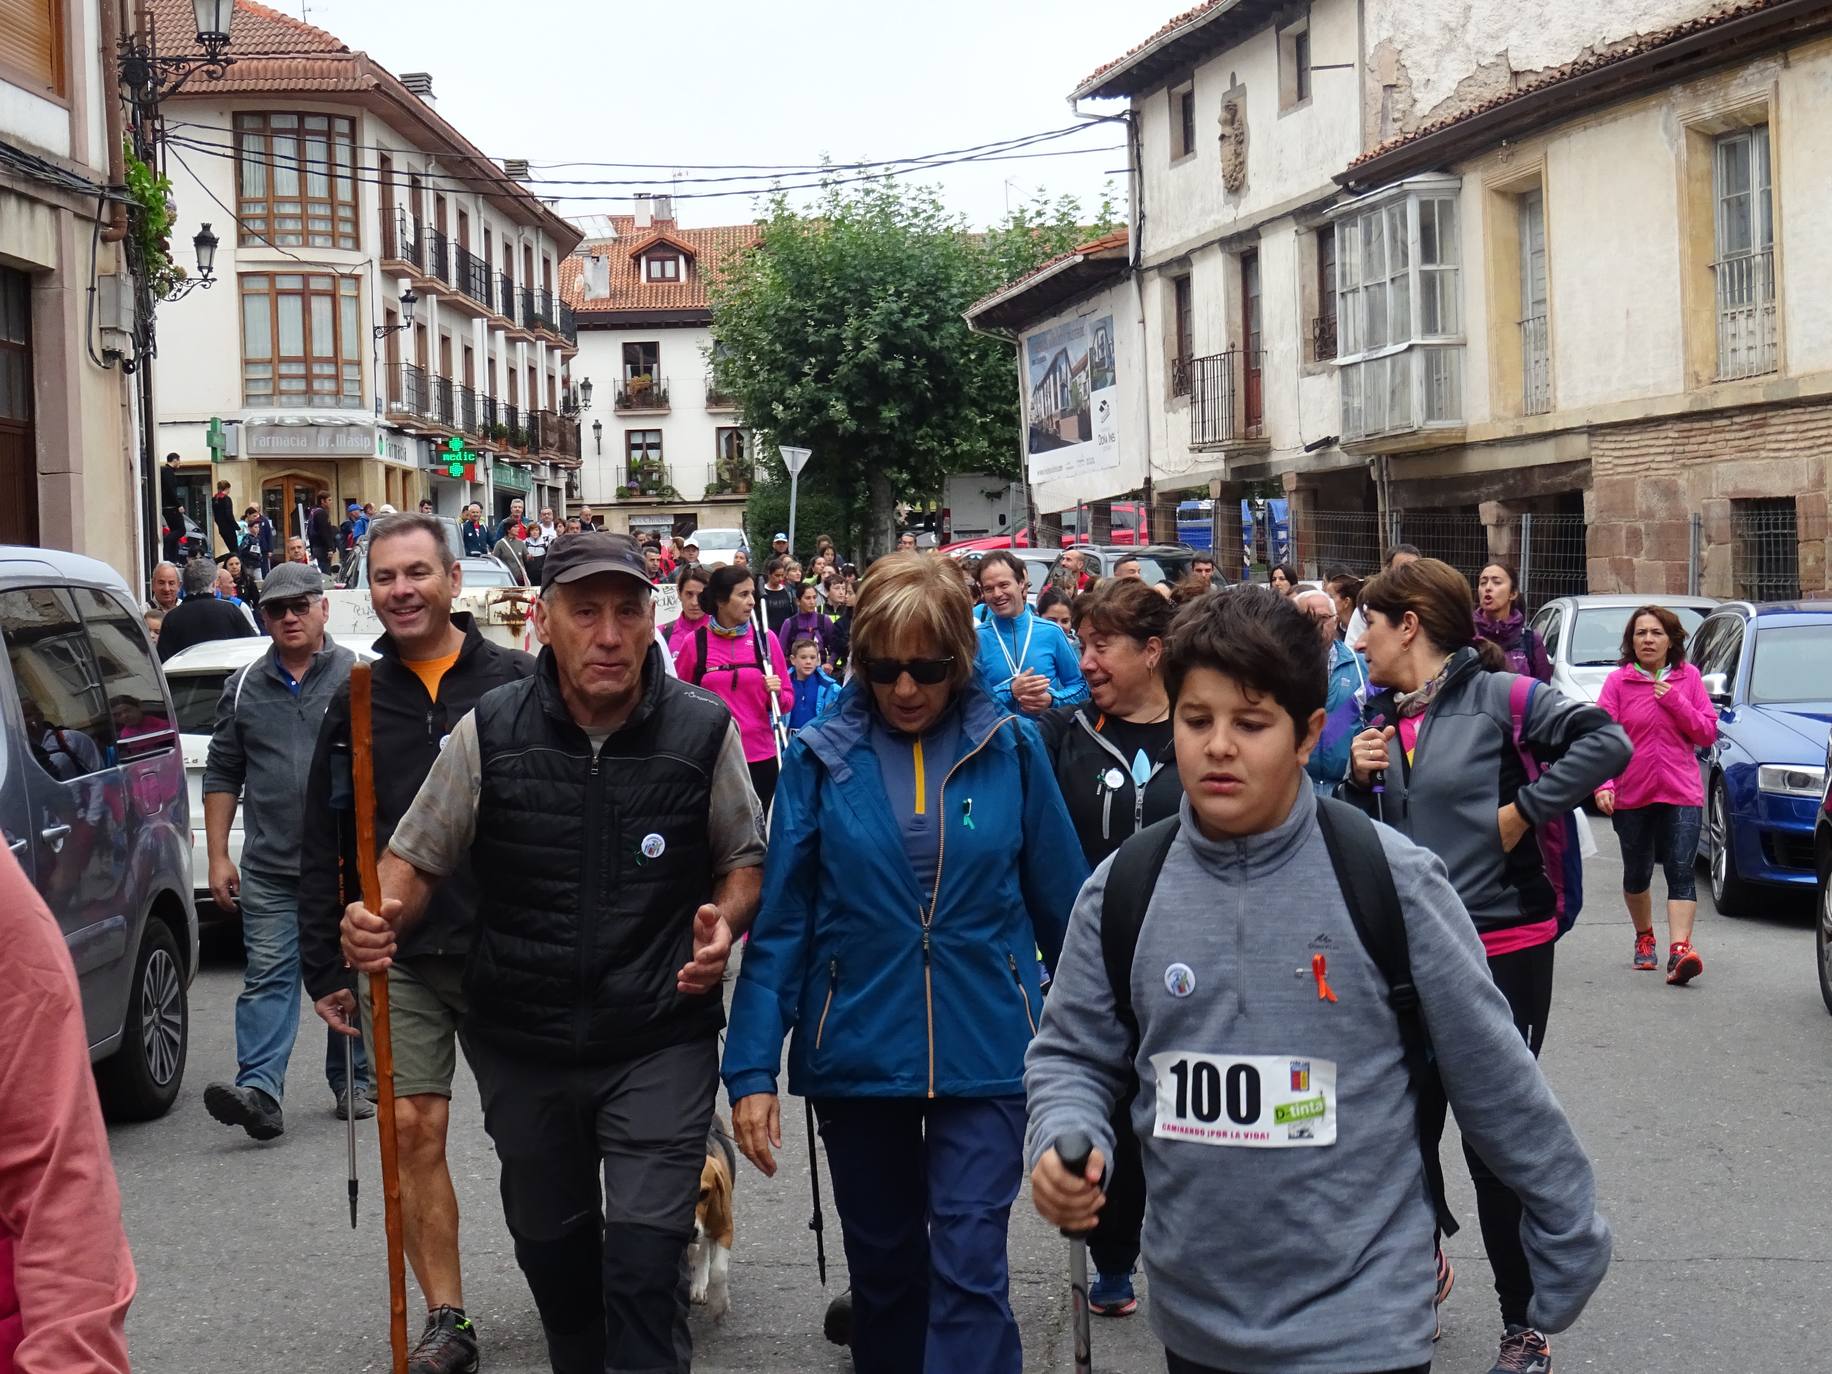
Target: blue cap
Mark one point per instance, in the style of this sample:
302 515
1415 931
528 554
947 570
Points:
780 534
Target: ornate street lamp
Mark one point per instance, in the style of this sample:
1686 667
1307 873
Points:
204 245
598 436
408 301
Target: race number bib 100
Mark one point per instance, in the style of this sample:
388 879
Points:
1260 1101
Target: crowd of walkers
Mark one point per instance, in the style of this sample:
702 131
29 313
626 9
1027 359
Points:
1249 887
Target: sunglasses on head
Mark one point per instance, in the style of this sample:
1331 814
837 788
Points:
924 672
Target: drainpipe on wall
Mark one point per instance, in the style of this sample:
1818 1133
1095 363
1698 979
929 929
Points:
111 86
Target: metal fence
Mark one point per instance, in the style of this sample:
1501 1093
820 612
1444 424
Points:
1554 557
1765 549
1550 551
1331 539
1458 537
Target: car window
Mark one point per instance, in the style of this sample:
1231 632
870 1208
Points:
1792 664
1155 570
1721 654
194 698
1549 624
130 675
718 539
482 576
1596 635
61 697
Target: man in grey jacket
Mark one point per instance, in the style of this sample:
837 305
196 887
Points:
260 754
1289 1222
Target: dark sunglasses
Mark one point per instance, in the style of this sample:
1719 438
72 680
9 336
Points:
300 606
924 672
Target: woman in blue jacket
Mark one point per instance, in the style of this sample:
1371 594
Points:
920 857
1348 693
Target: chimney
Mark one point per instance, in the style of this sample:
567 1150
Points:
516 168
597 277
421 84
645 210
664 210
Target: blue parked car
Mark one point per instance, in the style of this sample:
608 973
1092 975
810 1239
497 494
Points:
1769 671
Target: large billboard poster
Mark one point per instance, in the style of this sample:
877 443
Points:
1072 399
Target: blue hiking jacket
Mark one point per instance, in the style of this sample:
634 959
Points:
1348 690
1032 642
813 695
879 1005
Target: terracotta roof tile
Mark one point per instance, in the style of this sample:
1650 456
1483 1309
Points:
1590 62
253 28
1170 26
709 249
1117 238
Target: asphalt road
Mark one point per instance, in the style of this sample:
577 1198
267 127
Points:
1707 1111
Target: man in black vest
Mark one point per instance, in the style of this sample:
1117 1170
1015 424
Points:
607 814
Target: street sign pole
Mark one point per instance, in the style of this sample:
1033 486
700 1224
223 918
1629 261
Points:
793 459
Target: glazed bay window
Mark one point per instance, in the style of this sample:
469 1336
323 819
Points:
1399 313
296 180
302 340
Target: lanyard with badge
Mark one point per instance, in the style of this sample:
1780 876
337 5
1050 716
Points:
1017 665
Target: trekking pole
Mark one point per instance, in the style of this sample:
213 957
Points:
363 755
777 733
1073 1149
816 1223
350 1115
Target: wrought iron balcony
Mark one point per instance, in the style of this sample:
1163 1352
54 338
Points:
466 411
537 309
505 297
473 275
399 242
718 398
648 478
1226 404
438 254
558 435
445 406
569 325
409 392
1535 366
642 392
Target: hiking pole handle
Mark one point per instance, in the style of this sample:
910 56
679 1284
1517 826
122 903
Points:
1073 1149
362 755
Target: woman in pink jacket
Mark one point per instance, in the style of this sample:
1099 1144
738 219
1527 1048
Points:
725 655
1656 803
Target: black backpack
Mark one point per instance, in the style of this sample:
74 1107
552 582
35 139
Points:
1367 887
700 639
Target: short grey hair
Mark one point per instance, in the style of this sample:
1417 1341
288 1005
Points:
199 576
407 522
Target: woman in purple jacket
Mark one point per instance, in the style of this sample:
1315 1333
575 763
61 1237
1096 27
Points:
1501 618
1656 801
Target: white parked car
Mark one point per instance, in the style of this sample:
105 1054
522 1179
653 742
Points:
1583 635
721 545
196 679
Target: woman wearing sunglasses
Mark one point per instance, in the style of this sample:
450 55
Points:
920 856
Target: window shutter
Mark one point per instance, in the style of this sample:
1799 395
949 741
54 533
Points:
31 42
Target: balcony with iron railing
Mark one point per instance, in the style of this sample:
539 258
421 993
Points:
1747 344
444 410
399 241
472 277
558 435
643 392
716 397
1322 338
409 391
488 417
1535 366
1179 377
504 304
537 309
466 412
649 479
1226 405
569 324
438 253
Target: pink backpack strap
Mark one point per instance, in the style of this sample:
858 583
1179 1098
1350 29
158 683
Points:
1520 700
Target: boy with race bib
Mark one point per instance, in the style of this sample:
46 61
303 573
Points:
1296 992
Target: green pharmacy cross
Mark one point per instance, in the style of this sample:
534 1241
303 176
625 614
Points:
456 459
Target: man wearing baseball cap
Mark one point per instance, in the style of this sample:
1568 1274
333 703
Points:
779 544
607 814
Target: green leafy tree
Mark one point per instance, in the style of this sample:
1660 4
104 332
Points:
842 331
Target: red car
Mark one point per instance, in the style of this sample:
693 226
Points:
1130 526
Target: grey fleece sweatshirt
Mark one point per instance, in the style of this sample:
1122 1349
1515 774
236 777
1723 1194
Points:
1317 1258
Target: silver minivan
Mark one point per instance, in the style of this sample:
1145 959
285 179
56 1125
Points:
94 807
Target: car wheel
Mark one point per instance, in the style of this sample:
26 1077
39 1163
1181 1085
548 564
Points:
1729 893
1822 939
140 1080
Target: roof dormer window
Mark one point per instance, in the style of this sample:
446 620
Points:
662 267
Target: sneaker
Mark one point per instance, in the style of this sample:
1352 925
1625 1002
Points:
1111 1295
1645 958
364 1108
447 1346
1447 1280
250 1108
1523 1351
1683 964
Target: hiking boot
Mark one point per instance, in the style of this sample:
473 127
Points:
1111 1295
1645 958
1683 964
447 1346
364 1110
1523 1351
250 1108
1447 1280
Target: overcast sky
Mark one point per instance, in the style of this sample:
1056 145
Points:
735 81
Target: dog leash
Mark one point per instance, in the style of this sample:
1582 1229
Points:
816 1223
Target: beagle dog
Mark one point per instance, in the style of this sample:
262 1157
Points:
711 1252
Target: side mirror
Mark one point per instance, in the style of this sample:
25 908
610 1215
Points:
1717 687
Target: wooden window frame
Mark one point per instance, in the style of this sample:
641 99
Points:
259 214
344 360
653 261
1183 122
629 446
33 82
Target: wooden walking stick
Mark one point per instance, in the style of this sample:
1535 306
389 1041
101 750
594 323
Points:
363 757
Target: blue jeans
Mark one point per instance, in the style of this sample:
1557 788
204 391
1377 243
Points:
267 1012
924 1192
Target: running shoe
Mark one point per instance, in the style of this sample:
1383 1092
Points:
1683 964
1523 1351
1447 1280
1111 1295
250 1108
358 1102
1645 957
447 1346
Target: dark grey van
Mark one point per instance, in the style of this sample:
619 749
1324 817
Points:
93 804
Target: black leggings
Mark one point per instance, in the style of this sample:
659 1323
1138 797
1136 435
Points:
763 781
1525 979
1114 1241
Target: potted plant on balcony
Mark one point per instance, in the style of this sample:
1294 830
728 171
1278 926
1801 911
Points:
500 433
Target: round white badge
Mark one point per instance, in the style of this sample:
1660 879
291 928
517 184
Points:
653 846
1179 980
1113 779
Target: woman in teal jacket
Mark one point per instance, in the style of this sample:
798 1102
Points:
920 857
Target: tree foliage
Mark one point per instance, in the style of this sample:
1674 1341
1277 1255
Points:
842 331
